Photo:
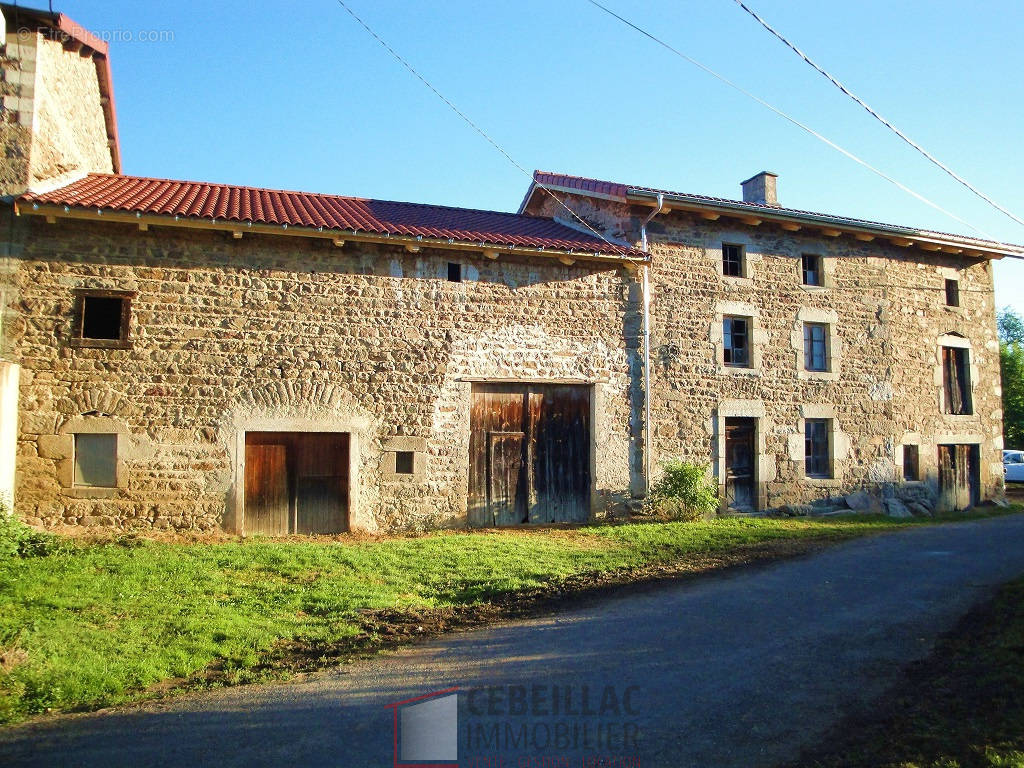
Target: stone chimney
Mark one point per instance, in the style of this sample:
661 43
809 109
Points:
761 188
57 119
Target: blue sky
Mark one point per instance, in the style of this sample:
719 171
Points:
296 96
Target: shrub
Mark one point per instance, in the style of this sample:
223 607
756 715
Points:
20 540
683 492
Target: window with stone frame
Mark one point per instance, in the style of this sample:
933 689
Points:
811 269
817 449
736 341
816 347
102 318
956 381
95 460
732 260
911 463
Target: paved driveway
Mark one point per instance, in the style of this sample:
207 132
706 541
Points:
737 670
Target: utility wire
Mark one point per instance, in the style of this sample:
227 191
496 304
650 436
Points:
931 158
473 125
783 115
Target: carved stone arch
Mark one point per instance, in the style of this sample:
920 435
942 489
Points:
95 400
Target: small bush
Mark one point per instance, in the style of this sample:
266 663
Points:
683 492
20 540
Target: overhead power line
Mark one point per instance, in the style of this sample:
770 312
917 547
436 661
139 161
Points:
787 117
931 158
471 124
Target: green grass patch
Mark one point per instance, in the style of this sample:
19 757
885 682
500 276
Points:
85 625
962 707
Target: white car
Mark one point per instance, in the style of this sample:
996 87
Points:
1013 466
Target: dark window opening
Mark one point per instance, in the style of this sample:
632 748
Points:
454 272
736 335
812 272
817 460
956 381
404 462
911 468
815 346
103 318
96 460
732 260
953 293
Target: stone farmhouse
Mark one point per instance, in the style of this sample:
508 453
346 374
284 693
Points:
185 355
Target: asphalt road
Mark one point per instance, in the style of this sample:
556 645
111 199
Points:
737 670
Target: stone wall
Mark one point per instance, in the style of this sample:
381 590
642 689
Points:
885 306
296 334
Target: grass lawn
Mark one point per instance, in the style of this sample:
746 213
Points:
962 707
101 623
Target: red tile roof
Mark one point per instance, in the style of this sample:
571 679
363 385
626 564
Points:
199 200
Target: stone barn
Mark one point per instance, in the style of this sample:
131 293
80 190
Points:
188 355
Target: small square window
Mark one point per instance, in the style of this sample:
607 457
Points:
732 260
817 455
736 338
404 462
815 346
454 272
103 319
811 268
952 293
96 460
911 468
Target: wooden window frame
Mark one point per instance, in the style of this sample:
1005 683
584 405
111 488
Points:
125 340
810 456
818 270
809 344
740 260
728 333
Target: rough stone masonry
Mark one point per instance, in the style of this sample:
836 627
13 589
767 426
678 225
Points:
239 327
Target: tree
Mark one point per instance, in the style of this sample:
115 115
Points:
1011 366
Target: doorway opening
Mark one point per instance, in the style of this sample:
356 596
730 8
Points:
741 464
296 482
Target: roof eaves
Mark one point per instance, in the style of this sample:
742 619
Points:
878 229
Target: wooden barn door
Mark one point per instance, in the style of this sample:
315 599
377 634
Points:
959 481
296 482
529 454
267 506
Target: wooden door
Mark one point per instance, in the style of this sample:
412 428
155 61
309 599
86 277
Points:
267 503
740 464
506 499
321 483
296 482
529 454
559 453
959 486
